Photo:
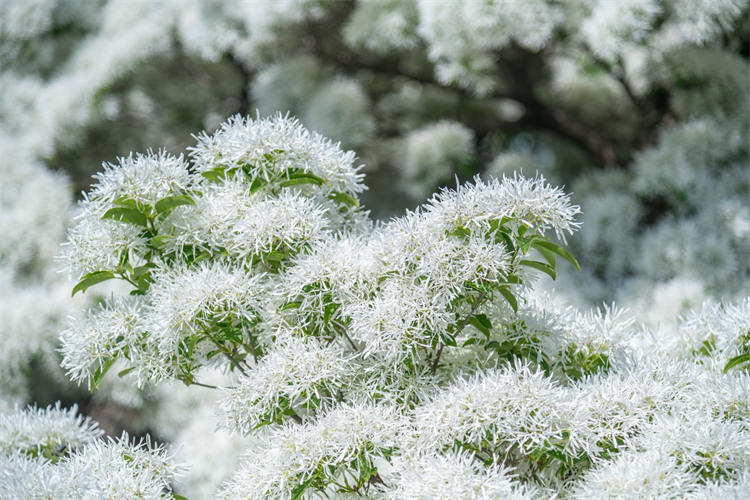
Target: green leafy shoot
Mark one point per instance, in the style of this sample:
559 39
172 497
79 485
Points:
92 279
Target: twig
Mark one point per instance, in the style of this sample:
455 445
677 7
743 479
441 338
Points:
460 328
231 358
252 343
342 330
208 386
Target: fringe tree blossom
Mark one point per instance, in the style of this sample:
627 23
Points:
297 373
55 452
453 475
338 448
46 432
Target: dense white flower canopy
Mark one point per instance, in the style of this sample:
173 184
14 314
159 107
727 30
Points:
402 359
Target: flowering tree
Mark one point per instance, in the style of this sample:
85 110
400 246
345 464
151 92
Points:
425 348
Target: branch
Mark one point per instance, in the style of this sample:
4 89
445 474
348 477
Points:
244 101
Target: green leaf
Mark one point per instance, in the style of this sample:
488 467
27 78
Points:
512 278
126 203
300 489
548 255
274 256
160 242
508 295
101 370
344 200
201 256
290 305
124 372
216 174
469 342
329 310
144 282
503 236
302 179
742 358
140 271
460 232
558 250
92 279
541 266
525 243
257 184
178 497
166 205
130 215
448 339
481 323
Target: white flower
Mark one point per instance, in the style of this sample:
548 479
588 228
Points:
144 178
95 244
382 25
286 85
516 406
55 453
462 35
698 21
270 148
341 110
227 216
451 476
185 302
35 205
395 323
284 458
53 430
101 335
635 475
297 373
474 206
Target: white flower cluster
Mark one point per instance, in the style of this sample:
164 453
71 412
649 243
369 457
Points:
270 149
429 155
461 35
452 475
298 373
56 453
612 25
284 457
340 109
254 254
